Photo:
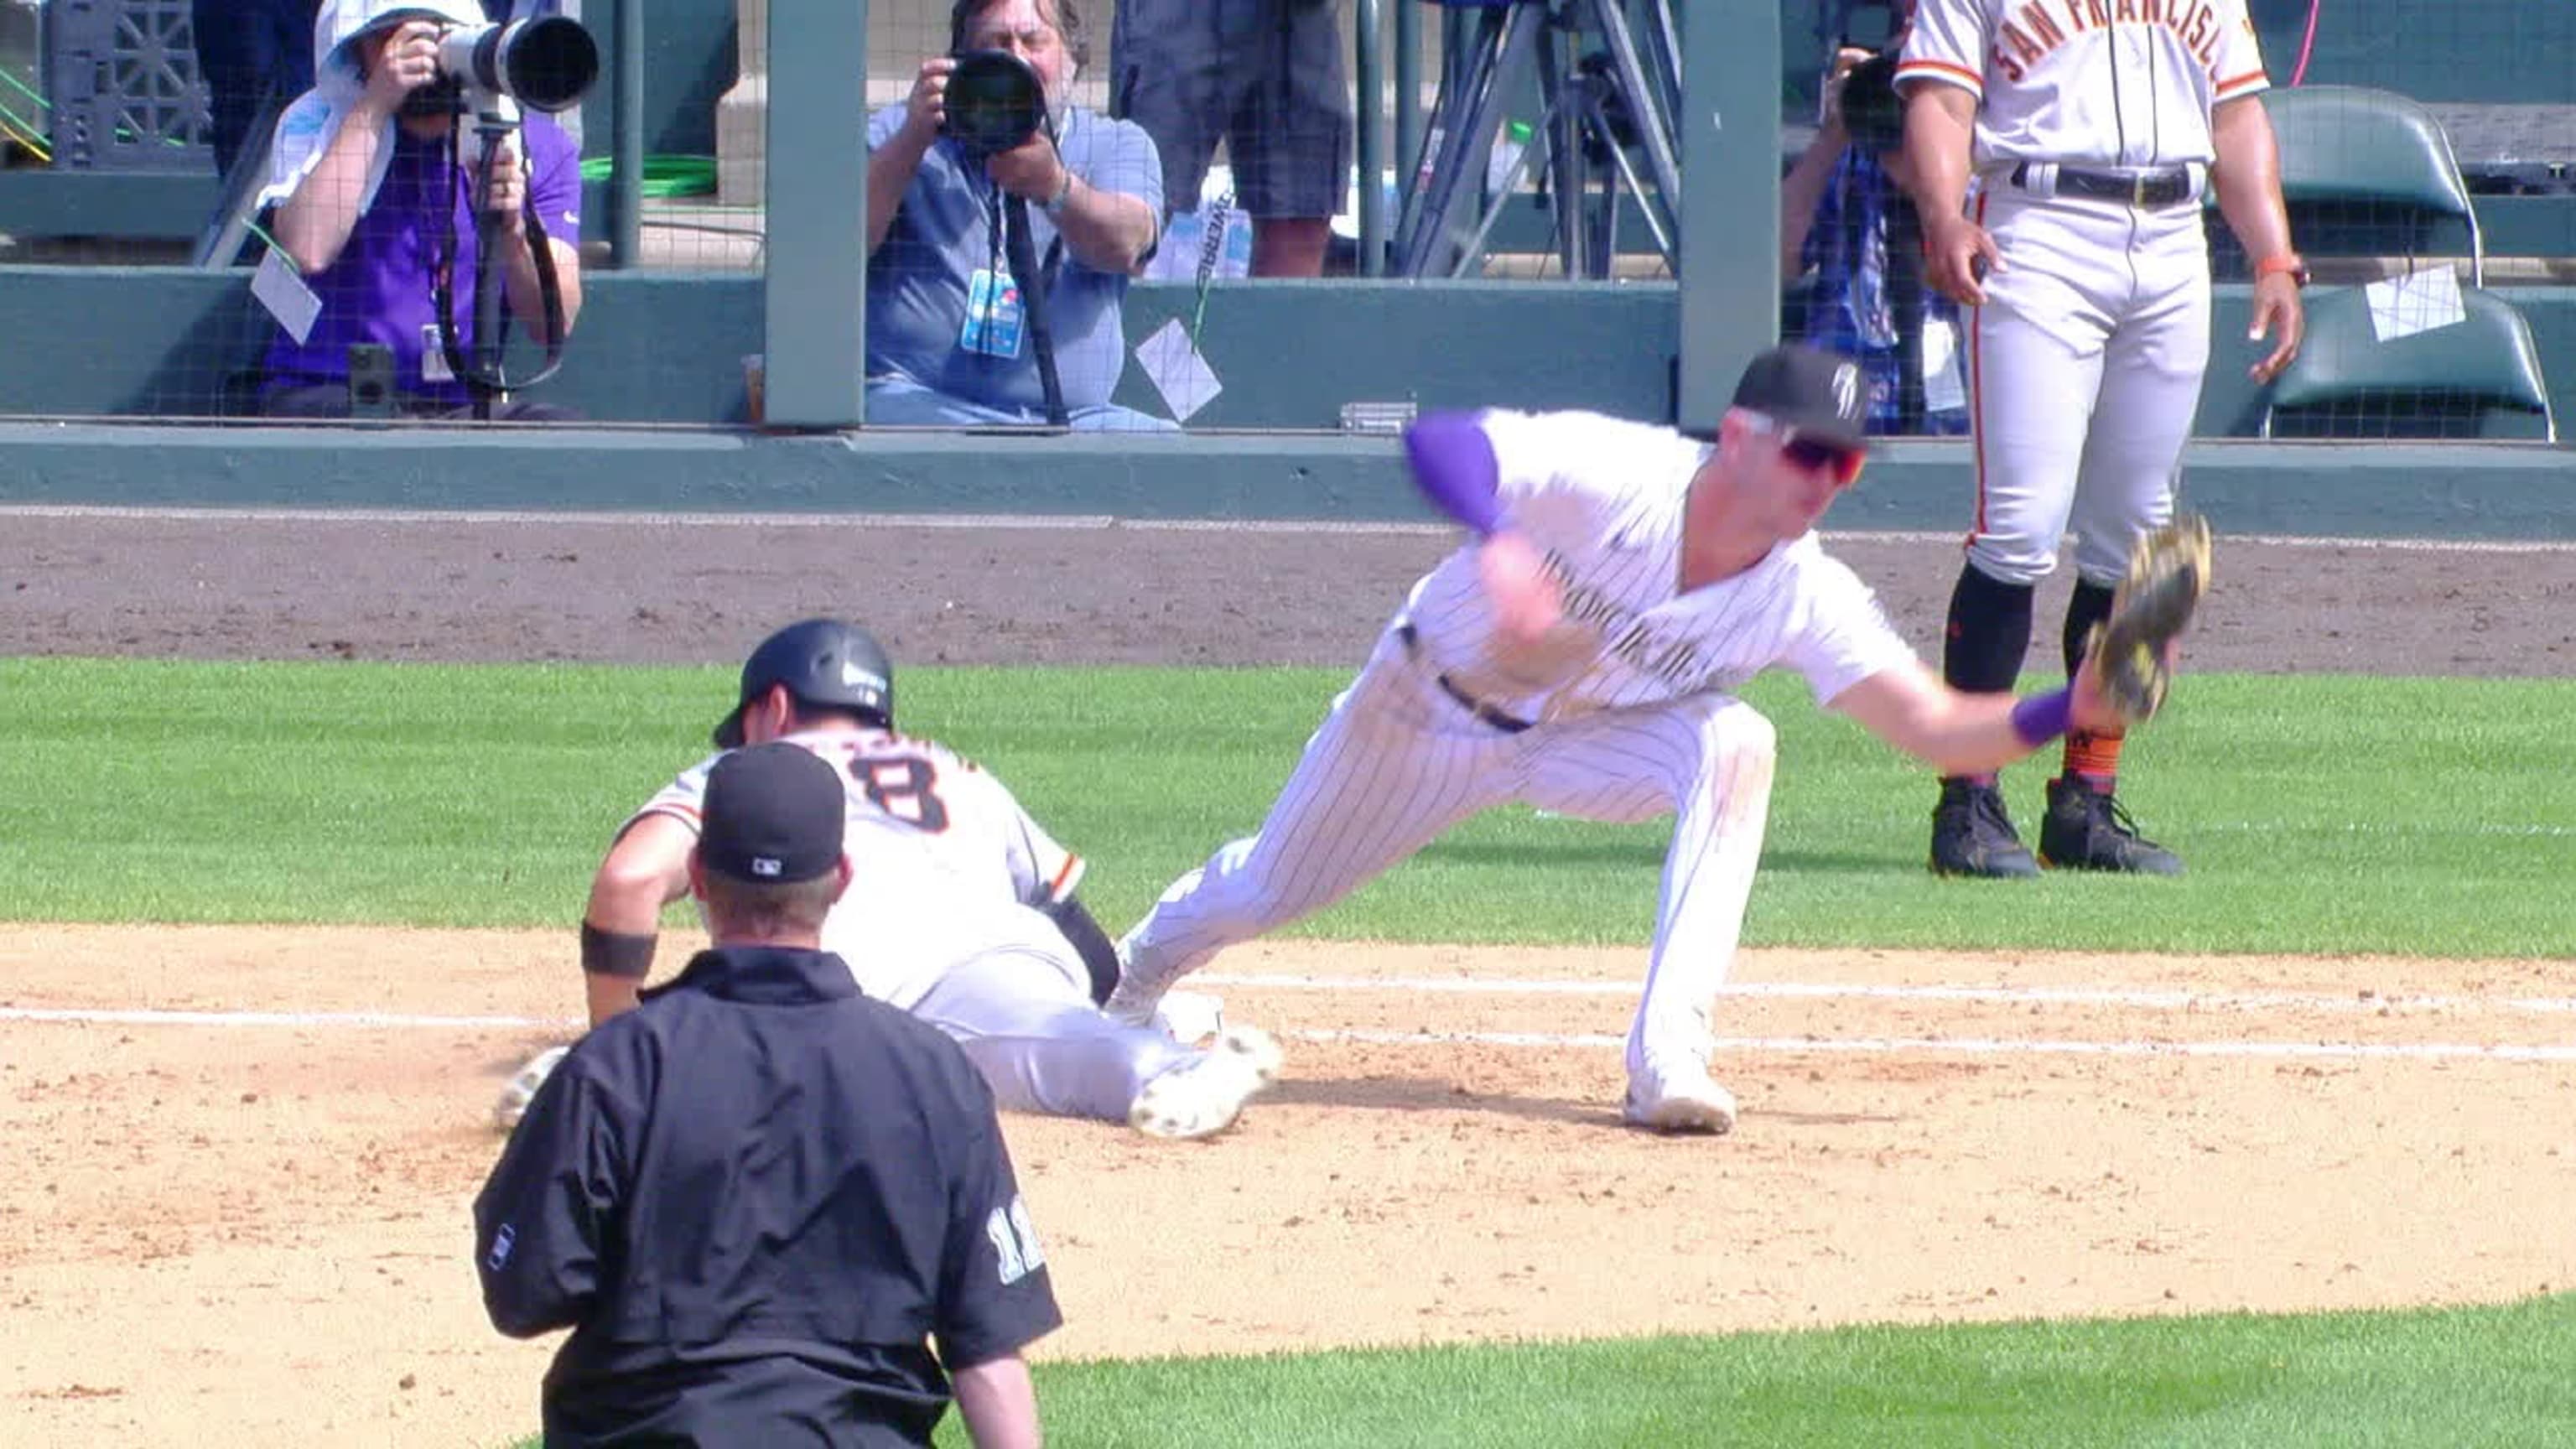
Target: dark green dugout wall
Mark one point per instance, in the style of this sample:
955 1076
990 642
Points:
2482 491
667 350
664 347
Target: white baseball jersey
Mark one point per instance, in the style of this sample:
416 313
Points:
1624 712
1602 499
2084 366
945 865
2088 82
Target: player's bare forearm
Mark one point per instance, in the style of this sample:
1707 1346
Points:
1956 733
645 870
610 996
2248 180
999 1403
1940 126
2247 176
1525 597
1940 130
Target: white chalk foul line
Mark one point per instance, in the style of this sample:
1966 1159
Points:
2357 1003
1983 1046
1074 522
1886 1046
355 1020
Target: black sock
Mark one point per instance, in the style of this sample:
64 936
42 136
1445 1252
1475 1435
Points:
2096 758
1989 632
1988 635
2090 605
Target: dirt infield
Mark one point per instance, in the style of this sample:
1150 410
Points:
225 1228
229 586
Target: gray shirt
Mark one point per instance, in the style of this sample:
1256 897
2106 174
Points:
948 229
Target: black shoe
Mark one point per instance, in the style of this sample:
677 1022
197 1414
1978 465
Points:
1971 835
2087 829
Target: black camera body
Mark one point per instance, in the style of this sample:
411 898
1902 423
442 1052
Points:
995 102
1873 113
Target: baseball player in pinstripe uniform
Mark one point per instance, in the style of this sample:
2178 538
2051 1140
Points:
2091 128
1583 653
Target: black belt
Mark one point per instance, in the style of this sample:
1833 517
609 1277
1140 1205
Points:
2163 186
1510 724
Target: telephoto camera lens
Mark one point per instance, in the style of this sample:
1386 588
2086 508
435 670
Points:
995 101
547 63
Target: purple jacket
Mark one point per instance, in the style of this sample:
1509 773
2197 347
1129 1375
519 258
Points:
378 290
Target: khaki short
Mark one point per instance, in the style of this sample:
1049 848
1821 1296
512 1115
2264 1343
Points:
1264 76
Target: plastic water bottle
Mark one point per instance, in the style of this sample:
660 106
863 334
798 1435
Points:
1510 144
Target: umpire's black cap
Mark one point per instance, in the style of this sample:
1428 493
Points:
822 662
1821 394
774 815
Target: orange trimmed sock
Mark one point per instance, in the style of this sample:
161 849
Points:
2096 756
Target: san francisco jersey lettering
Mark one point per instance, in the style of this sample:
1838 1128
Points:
2092 82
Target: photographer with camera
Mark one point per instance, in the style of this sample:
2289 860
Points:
1850 240
388 181
1004 224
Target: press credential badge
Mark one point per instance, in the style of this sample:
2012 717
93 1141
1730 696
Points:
994 318
280 288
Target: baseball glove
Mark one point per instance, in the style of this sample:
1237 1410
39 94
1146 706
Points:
2168 572
523 1088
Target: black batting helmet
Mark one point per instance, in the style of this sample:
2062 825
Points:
823 663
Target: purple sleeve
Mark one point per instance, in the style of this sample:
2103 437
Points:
1454 466
554 180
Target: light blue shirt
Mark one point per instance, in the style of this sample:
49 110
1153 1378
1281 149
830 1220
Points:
947 229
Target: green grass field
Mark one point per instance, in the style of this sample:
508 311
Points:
2320 815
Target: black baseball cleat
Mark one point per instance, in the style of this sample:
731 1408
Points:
1971 835
2088 829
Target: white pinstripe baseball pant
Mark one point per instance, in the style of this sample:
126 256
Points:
1397 762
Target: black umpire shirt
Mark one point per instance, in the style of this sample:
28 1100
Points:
753 1199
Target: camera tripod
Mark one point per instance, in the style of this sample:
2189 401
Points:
1603 111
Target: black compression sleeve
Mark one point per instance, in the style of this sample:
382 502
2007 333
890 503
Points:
1099 957
616 953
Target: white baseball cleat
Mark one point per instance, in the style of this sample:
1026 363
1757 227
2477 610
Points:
1189 1017
1679 1099
1131 1005
1202 1096
523 1088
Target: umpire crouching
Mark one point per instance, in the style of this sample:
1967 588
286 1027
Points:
761 1199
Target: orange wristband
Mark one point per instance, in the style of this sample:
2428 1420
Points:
2289 263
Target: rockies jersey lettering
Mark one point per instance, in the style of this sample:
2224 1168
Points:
945 865
2088 82
1601 498
1627 704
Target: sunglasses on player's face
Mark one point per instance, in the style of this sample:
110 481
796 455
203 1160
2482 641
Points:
1814 455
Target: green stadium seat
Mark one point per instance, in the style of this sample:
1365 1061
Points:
2368 172
2476 378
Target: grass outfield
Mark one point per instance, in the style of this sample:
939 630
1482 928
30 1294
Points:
2320 815
2487 1376
2464 1377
